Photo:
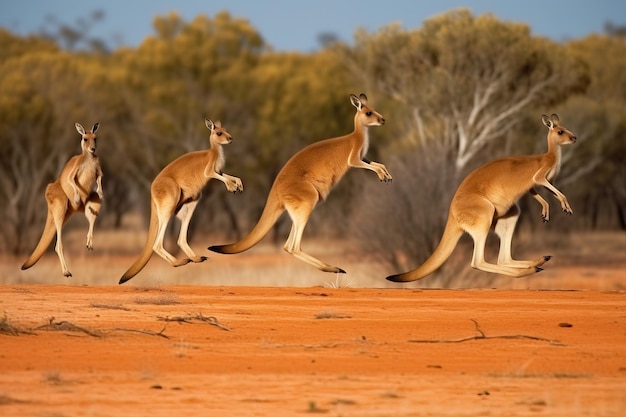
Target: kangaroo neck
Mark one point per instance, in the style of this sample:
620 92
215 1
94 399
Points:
553 156
361 134
220 158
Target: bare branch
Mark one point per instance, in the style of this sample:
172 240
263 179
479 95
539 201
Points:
199 317
481 335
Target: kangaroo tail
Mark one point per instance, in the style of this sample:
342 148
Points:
451 235
47 235
147 251
272 211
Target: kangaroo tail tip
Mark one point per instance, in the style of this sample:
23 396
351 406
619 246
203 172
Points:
399 278
124 279
219 249
27 264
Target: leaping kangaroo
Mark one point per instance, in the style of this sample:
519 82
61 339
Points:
71 192
176 191
308 177
488 196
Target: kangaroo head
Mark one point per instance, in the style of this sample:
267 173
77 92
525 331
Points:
88 141
218 134
365 115
557 134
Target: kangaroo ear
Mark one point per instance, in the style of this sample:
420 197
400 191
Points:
363 99
355 102
218 123
547 121
209 124
95 127
80 129
555 118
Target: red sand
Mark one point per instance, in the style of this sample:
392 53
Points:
298 351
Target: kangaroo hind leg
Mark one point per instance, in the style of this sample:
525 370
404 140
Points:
92 209
477 222
300 211
184 214
60 210
165 205
504 228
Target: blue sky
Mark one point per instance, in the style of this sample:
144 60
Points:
296 24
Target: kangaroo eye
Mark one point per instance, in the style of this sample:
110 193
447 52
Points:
219 133
560 132
84 139
368 114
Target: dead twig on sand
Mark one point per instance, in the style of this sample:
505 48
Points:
63 325
482 335
198 317
66 326
142 331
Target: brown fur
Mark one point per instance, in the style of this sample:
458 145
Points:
72 192
488 196
176 191
308 178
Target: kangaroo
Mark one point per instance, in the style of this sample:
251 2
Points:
176 190
71 192
488 196
308 177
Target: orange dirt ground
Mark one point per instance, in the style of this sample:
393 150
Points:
267 351
220 339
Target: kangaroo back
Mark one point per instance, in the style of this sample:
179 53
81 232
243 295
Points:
451 235
146 253
272 211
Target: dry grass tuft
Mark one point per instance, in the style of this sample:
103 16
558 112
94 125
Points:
110 306
7 400
160 300
331 315
8 328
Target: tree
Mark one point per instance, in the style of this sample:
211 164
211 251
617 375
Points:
186 71
597 167
464 80
76 36
298 99
37 95
45 91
